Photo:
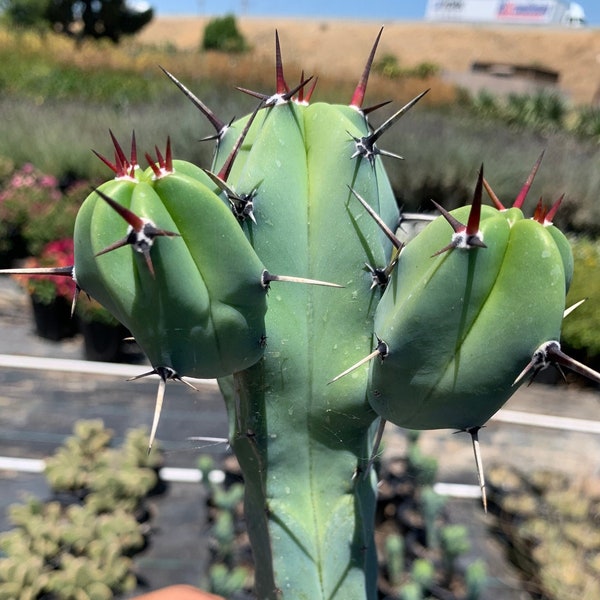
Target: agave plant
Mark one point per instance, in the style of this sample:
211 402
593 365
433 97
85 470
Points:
435 334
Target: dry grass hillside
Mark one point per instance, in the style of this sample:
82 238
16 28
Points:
339 47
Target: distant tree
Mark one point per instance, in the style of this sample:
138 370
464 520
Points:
25 13
222 33
98 18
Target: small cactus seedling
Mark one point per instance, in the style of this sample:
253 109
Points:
180 256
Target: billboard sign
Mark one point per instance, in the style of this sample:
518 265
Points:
527 12
496 11
461 10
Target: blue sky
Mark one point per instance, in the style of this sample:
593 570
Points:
358 9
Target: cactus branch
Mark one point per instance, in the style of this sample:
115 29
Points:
305 447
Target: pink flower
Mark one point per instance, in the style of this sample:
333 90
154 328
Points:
48 181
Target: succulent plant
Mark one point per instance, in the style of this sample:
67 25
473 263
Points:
437 333
81 549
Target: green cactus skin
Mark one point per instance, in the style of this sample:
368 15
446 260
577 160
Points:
201 311
461 326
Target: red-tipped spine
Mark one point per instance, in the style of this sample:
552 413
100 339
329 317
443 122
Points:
495 200
475 213
359 93
549 218
169 156
219 126
122 167
520 199
281 86
133 157
540 212
136 223
119 154
155 168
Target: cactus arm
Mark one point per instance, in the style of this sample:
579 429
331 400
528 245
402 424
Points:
208 324
500 303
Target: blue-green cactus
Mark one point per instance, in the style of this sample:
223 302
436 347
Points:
180 256
460 325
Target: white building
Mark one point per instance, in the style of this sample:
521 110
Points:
526 12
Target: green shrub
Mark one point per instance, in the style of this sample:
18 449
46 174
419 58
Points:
581 329
222 34
425 69
389 66
588 122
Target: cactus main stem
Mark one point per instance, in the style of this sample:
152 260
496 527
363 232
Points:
303 445
309 504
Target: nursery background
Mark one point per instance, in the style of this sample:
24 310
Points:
499 96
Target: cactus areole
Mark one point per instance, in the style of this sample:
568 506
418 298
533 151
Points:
434 334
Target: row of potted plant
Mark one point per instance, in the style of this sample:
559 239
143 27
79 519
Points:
56 317
35 209
37 217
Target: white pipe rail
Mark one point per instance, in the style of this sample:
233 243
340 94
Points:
183 475
85 367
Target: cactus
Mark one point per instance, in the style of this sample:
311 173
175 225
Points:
81 549
437 333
